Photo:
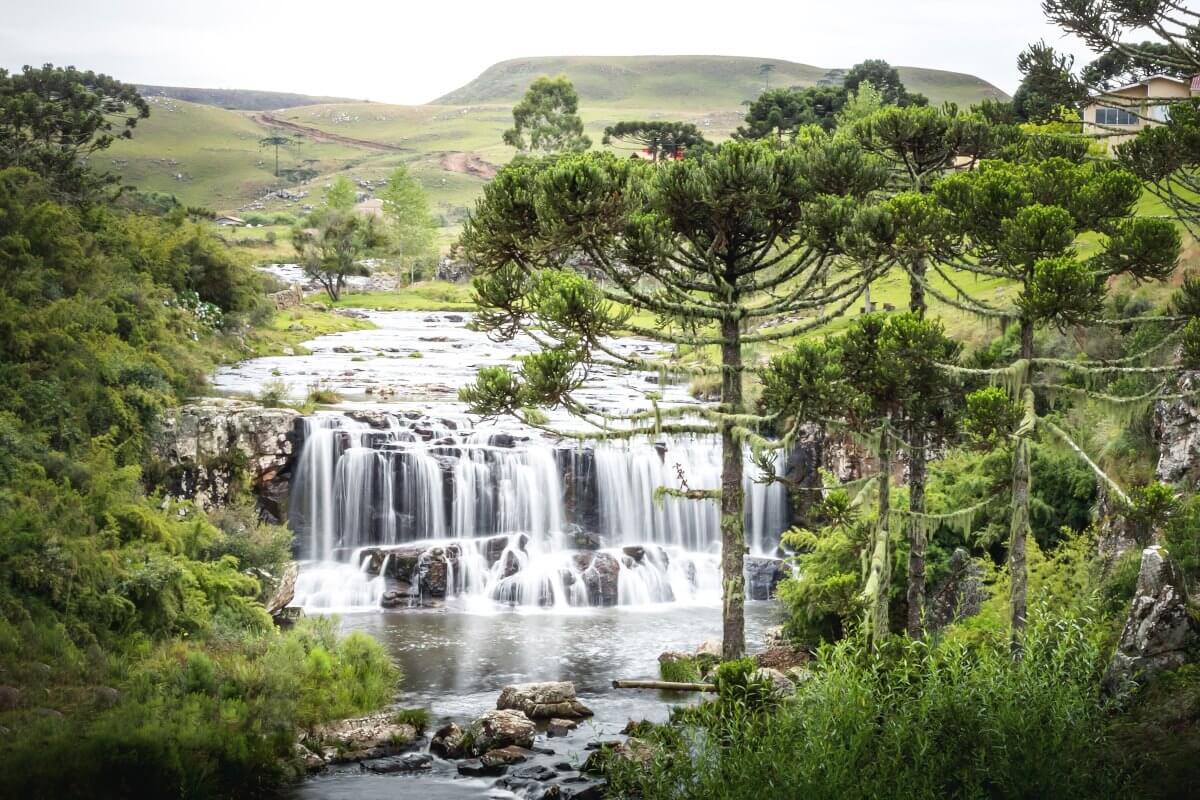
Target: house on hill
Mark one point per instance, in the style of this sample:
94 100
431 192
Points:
229 221
1120 113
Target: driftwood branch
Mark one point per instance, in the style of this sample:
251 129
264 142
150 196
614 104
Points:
669 686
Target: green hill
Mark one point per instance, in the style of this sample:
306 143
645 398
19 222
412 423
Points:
238 99
708 83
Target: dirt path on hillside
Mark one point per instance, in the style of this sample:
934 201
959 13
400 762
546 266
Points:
318 135
468 164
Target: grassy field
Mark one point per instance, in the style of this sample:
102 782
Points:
423 296
285 330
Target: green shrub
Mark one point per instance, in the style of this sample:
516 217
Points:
917 720
417 717
681 670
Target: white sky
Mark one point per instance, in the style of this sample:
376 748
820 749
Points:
406 52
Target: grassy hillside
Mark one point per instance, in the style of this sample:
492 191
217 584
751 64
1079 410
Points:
239 99
686 82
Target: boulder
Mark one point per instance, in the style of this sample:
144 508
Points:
534 772
780 684
448 742
543 700
763 574
959 595
1159 632
205 446
475 768
364 738
501 728
709 647
506 756
285 590
634 750
600 573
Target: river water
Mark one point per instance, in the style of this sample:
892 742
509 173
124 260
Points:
398 468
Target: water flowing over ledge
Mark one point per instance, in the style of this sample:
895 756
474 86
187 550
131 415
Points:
404 509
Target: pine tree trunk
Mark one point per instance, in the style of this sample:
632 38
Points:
1019 529
879 576
733 534
918 460
916 532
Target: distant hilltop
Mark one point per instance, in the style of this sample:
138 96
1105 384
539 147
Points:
240 99
690 82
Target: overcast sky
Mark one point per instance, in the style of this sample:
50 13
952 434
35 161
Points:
411 52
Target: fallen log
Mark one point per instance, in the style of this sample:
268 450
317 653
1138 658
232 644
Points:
668 686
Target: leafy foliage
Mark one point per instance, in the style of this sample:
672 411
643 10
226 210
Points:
547 119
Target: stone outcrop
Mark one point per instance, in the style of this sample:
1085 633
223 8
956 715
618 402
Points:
543 700
1159 634
960 594
763 575
780 684
448 741
600 574
1177 432
206 446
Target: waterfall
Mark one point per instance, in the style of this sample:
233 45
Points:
418 509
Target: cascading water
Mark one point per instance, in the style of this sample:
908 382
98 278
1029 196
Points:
418 508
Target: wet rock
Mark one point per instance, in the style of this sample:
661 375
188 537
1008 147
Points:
1159 633
379 420
365 737
534 772
763 575
506 756
10 698
709 647
601 572
475 768
959 595
544 700
312 761
636 552
560 727
564 766
409 762
206 446
448 742
501 728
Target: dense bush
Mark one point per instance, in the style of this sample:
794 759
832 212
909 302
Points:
918 720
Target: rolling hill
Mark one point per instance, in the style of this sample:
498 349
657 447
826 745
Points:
238 99
206 151
687 82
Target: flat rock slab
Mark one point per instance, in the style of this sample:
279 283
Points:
409 762
560 727
476 768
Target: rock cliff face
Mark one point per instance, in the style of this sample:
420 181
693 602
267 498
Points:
207 446
1177 431
1159 634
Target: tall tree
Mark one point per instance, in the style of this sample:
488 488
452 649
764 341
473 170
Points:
779 114
886 80
276 141
660 139
52 119
1023 221
411 228
1047 84
710 246
333 243
547 119
882 371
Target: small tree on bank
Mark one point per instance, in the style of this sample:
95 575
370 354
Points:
712 247
547 119
411 230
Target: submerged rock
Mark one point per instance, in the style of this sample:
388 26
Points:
561 727
1160 631
409 762
543 700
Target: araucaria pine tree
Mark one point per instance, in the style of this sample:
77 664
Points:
1026 221
719 249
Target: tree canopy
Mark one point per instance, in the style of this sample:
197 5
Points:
547 119
660 139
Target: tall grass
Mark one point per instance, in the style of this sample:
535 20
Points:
918 720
